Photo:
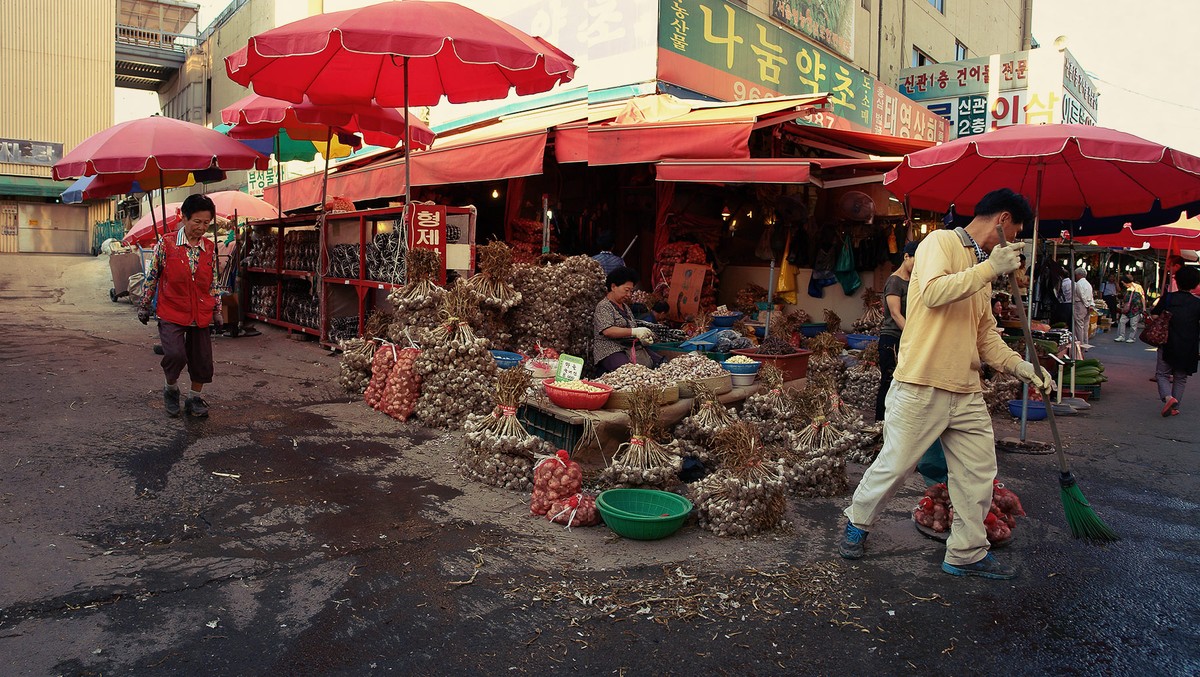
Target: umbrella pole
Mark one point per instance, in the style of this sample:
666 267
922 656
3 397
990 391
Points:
153 221
1030 352
323 224
407 155
162 193
278 182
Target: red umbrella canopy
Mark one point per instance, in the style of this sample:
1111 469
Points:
143 148
358 56
261 117
1185 233
1084 168
227 202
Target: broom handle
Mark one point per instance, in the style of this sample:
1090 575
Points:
1021 315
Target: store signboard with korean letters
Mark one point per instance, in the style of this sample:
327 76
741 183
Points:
1041 86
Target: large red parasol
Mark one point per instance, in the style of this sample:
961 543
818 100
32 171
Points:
261 117
1070 171
362 56
399 54
1184 233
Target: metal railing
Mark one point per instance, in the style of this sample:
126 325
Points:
147 37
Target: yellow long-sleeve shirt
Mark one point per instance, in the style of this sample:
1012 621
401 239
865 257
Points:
949 329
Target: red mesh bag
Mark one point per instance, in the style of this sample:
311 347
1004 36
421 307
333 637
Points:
575 511
554 478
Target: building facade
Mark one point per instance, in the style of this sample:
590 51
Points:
56 77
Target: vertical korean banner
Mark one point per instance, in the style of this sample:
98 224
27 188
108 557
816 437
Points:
427 230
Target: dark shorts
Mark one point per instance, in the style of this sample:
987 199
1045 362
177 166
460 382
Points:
186 346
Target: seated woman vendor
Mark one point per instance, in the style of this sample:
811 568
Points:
617 334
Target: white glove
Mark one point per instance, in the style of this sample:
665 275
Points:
1037 376
1005 258
643 334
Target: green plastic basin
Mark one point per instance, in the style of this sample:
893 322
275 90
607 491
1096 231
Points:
643 514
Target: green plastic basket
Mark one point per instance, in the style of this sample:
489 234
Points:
643 514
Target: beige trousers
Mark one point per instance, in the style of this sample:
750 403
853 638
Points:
916 416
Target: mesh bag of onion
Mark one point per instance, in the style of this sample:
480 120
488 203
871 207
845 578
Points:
555 478
575 511
381 365
403 386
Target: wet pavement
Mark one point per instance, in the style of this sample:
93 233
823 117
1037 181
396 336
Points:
298 532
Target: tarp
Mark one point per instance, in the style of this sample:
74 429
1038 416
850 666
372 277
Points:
659 127
761 170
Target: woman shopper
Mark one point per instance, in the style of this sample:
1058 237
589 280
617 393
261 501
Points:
1130 308
616 329
895 303
1177 359
183 276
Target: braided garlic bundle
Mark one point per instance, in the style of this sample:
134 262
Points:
643 461
746 495
772 408
457 371
355 365
499 450
815 462
709 417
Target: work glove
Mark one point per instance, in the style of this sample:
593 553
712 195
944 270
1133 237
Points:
143 315
1006 258
1034 375
643 334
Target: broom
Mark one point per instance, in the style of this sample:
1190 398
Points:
1081 518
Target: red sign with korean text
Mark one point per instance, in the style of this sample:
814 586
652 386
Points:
427 230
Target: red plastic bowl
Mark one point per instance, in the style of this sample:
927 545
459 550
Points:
575 399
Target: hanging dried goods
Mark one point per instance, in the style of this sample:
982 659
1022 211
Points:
749 297
833 323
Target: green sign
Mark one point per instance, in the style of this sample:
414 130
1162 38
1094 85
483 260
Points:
729 53
570 368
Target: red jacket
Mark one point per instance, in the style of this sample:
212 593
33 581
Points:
184 297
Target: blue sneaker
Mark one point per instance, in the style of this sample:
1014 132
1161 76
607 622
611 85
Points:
988 567
852 542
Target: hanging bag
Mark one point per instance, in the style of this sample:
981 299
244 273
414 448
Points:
1156 330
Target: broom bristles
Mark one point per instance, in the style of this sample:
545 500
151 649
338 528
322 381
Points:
1083 521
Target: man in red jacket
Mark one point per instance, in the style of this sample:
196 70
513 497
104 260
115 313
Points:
183 275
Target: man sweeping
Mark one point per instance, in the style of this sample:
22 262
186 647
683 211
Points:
936 391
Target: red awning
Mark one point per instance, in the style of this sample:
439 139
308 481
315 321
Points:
571 142
763 170
877 144
708 131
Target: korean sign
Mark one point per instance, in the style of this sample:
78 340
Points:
726 52
1041 86
427 230
23 152
830 22
257 181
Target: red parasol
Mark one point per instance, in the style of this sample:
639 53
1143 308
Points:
156 152
227 202
154 147
401 54
362 56
1071 171
1185 233
261 117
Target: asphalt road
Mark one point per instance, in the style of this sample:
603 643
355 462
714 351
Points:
298 532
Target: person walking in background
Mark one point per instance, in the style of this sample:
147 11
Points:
1083 303
949 332
183 274
1174 263
1108 292
1130 308
895 305
607 260
1177 359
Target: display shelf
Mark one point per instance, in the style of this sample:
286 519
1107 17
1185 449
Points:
267 271
360 228
301 274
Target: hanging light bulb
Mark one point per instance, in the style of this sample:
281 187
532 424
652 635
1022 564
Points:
495 193
924 228
725 213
